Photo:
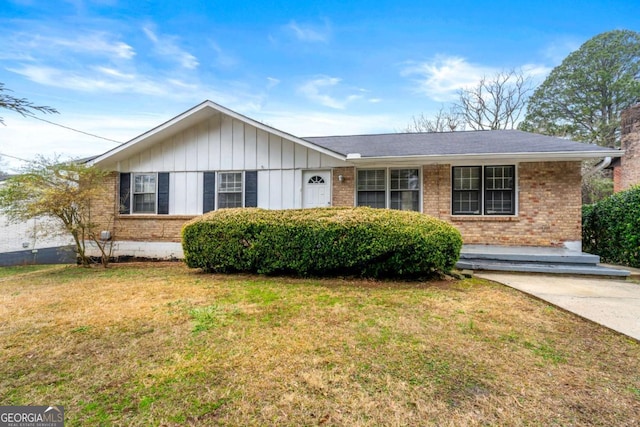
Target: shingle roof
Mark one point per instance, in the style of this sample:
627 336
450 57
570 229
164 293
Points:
453 143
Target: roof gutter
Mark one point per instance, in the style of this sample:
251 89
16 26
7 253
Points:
529 156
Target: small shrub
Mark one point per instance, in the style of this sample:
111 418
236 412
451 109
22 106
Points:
321 242
611 228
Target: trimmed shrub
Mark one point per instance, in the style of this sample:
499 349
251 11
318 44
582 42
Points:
321 242
611 228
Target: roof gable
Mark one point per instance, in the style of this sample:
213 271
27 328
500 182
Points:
190 118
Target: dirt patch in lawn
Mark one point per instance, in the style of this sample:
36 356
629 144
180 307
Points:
158 344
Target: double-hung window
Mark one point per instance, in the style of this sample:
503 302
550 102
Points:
144 193
405 189
394 188
229 190
371 188
488 190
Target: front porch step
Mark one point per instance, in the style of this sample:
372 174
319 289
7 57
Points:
529 259
537 267
526 254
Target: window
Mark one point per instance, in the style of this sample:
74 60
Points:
405 189
466 190
144 193
499 194
490 190
371 188
402 191
229 190
316 180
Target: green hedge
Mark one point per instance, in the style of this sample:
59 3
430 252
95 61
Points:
611 228
321 242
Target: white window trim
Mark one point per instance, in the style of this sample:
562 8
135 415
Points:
219 180
387 183
482 165
133 194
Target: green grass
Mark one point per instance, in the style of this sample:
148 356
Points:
157 344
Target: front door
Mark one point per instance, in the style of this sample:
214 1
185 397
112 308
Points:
316 189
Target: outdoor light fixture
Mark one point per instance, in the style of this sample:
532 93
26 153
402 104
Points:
340 178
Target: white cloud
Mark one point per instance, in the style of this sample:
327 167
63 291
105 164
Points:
441 77
559 49
317 90
272 82
29 46
308 32
167 46
444 76
101 79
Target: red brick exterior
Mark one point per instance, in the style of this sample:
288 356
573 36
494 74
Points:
549 208
629 169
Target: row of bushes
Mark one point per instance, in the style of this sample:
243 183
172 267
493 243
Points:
611 228
321 242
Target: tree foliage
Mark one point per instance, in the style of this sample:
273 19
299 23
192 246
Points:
611 228
64 191
20 105
582 97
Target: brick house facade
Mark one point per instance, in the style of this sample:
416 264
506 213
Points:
496 187
626 170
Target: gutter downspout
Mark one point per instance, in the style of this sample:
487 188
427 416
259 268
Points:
600 166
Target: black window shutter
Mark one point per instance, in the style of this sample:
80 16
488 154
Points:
209 198
163 193
251 189
125 193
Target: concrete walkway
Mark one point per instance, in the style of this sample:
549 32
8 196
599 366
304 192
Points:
612 303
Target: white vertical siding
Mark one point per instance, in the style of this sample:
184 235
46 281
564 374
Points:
202 136
191 149
288 189
263 150
264 185
226 143
185 193
238 149
313 159
250 149
214 143
300 155
275 152
222 143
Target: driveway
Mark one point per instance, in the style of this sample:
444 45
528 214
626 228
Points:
611 303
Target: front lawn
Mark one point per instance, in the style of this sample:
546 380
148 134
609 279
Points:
158 344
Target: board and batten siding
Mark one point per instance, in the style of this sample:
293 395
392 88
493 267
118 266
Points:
223 143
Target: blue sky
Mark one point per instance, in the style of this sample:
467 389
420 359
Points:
117 68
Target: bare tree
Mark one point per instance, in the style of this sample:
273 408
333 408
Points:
20 105
495 103
443 121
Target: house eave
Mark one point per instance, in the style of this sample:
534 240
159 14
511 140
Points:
483 157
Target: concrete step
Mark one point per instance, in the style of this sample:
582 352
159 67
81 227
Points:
527 254
540 267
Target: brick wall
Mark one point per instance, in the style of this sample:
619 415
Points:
343 193
141 228
630 143
549 211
